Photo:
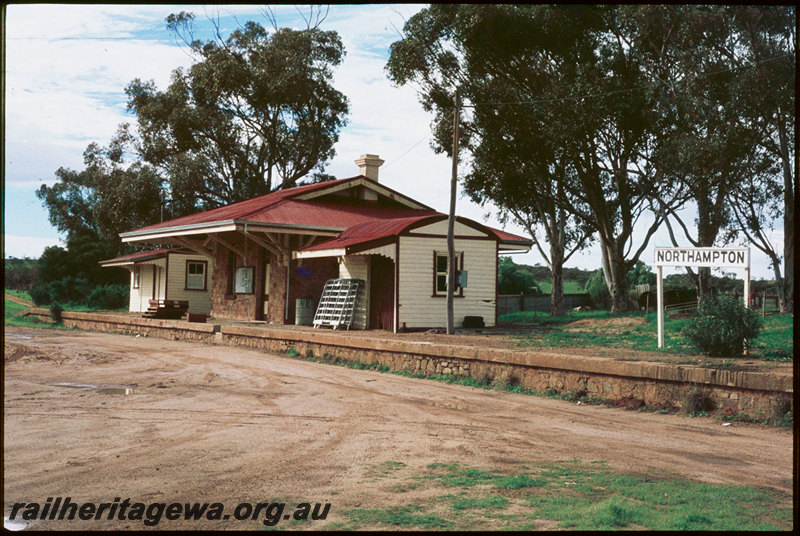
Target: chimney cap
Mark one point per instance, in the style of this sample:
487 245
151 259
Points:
368 164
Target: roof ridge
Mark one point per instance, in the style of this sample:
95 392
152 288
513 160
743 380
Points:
288 194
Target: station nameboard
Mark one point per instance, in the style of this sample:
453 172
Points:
710 257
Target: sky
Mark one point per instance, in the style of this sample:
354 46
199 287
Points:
67 66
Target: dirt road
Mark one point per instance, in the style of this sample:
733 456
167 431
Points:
213 423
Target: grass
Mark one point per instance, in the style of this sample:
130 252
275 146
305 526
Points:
12 309
776 340
774 343
573 495
19 294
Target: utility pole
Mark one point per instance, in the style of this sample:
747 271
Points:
451 253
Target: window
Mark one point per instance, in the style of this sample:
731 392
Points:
136 273
196 275
440 272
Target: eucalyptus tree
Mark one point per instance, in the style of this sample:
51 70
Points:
256 112
562 110
702 140
765 56
729 115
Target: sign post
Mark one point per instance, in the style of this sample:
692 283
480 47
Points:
703 257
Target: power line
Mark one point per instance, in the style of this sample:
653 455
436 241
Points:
447 117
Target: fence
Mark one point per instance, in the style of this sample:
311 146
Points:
515 303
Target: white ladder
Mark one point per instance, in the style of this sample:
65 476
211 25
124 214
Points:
337 306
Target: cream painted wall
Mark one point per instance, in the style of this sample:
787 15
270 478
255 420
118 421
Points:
357 267
419 309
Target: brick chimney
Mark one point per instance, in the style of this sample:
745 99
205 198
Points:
368 165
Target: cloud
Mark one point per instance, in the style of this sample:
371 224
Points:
27 246
67 67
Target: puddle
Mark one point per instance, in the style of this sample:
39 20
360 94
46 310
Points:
18 337
103 389
14 524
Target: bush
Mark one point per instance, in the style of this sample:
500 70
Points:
55 312
40 294
108 297
721 325
598 290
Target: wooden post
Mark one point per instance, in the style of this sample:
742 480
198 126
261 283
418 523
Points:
660 306
451 251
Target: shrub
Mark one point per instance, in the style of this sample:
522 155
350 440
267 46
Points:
698 401
40 294
55 312
598 290
108 297
721 325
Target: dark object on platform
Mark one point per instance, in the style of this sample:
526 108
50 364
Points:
170 309
196 317
471 322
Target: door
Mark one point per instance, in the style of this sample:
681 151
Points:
381 293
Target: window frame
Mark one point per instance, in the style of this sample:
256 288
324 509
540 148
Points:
205 275
136 273
459 291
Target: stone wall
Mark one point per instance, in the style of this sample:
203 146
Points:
225 304
626 383
135 325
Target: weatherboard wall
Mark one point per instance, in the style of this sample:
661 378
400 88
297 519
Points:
199 300
419 308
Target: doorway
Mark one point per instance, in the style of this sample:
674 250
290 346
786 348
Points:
381 293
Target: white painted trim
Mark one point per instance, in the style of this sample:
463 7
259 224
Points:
334 252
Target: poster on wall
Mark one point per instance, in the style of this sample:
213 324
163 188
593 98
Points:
244 280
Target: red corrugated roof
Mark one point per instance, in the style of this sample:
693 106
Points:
375 230
249 209
145 255
361 222
372 230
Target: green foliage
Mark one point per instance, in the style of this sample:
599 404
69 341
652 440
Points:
75 292
596 286
641 274
513 279
55 312
256 112
597 289
21 273
721 326
67 290
91 207
108 297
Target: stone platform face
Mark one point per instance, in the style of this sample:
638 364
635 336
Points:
625 383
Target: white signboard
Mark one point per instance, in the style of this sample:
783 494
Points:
704 257
708 257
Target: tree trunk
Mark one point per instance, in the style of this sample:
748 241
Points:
615 274
557 308
703 283
788 222
780 284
